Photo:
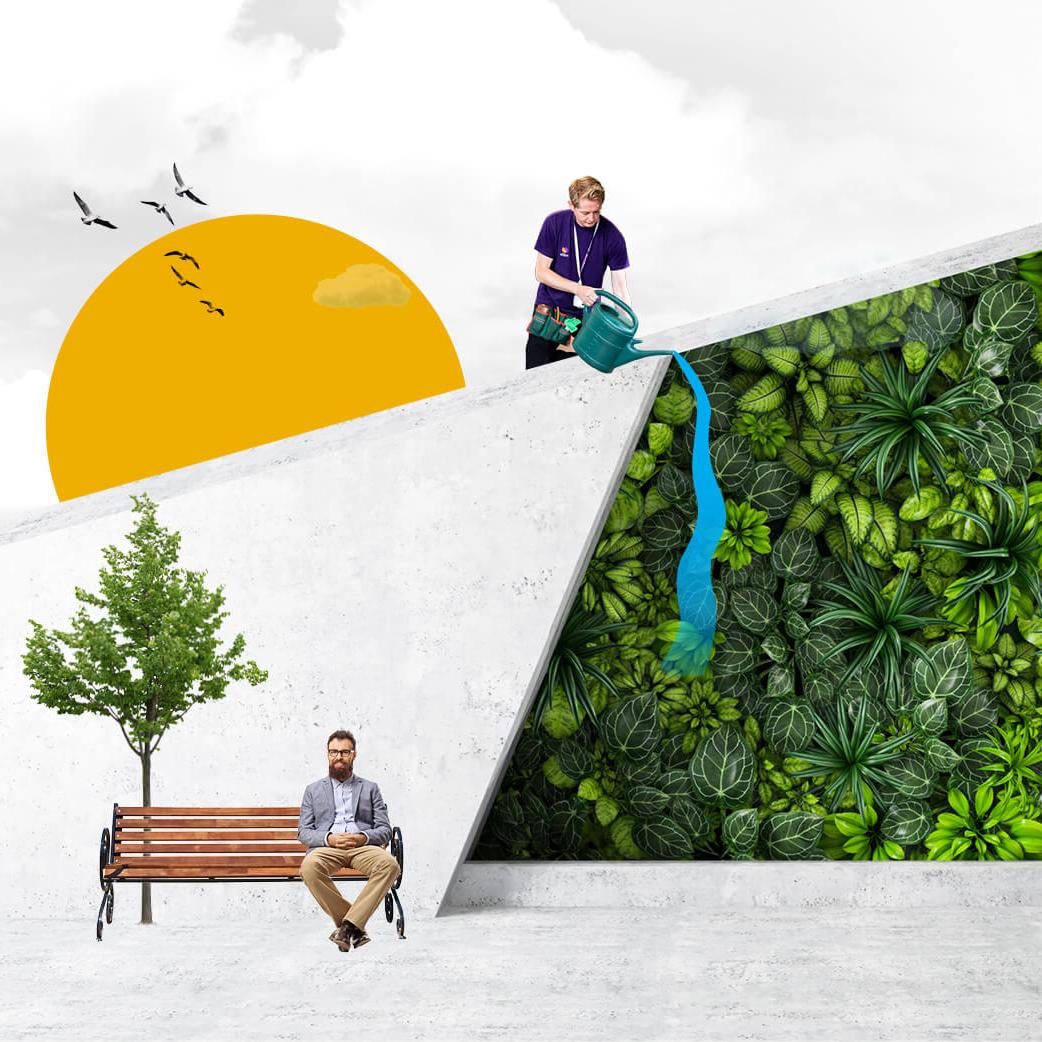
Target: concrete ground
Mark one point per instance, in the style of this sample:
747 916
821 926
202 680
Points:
768 973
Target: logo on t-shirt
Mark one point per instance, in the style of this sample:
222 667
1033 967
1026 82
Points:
564 251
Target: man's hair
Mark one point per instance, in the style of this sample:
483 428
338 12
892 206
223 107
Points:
585 188
342 735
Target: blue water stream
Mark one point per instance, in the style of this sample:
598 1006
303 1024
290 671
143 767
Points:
691 649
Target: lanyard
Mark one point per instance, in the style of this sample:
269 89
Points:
575 238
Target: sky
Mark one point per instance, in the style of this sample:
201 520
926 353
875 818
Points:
749 150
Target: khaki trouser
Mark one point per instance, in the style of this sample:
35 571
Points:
375 862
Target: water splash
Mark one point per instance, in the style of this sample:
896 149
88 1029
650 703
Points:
692 645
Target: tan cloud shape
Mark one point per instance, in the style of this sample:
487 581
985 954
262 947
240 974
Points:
362 286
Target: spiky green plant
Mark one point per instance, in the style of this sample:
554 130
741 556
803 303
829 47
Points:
846 753
993 828
1004 558
898 425
1011 761
766 432
859 836
583 638
744 534
877 626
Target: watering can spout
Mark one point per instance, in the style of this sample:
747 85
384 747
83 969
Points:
606 338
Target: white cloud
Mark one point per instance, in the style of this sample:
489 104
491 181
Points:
362 286
25 477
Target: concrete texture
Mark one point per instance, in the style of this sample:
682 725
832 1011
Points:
742 886
402 577
777 973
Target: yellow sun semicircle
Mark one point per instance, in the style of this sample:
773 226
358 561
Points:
318 328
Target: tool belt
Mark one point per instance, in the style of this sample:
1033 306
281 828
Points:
553 325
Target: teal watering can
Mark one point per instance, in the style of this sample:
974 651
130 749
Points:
606 340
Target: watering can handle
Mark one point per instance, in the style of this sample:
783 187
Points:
622 304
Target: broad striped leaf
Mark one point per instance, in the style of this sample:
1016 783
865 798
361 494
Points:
766 395
782 359
946 673
723 769
631 727
1007 311
938 327
906 822
789 726
663 838
666 530
754 609
792 835
976 280
733 461
692 818
795 554
773 488
856 513
741 830
646 801
805 515
1023 409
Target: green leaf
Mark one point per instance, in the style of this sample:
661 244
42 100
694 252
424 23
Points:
732 460
625 511
641 466
973 713
675 406
667 530
723 769
676 486
675 782
989 357
823 486
816 399
565 824
795 554
910 776
766 395
938 327
971 283
606 810
741 830
646 802
773 488
804 515
1007 311
754 609
1023 409
782 359
631 727
931 716
856 513
940 756
692 818
663 838
573 754
660 438
792 835
907 822
946 672
789 726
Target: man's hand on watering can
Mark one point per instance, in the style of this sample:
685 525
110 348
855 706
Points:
586 294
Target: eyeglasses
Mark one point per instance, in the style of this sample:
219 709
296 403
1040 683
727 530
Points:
333 753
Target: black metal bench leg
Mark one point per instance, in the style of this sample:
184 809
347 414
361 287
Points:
401 915
105 911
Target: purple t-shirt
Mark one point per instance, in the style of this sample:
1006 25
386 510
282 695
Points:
598 252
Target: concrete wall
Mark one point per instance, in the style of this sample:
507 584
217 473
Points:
404 575
401 576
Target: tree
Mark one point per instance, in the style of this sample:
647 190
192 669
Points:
143 650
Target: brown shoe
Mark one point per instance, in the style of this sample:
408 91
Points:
349 934
344 946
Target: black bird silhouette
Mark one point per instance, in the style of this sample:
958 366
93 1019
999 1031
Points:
184 256
159 208
181 280
88 218
183 189
210 308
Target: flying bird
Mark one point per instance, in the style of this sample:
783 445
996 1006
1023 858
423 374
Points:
184 256
183 189
159 208
210 308
89 218
181 280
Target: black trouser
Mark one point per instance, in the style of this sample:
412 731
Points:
540 351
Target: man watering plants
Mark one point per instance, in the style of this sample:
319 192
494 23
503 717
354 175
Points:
573 250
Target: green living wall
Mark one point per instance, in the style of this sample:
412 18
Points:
875 688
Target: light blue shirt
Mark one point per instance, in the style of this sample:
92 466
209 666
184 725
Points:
344 801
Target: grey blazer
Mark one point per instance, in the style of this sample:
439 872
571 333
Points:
317 811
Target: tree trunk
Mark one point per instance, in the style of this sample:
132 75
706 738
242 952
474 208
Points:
146 801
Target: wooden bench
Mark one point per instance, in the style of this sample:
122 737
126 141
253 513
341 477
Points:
209 844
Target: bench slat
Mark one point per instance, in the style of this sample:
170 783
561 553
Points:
207 823
202 861
209 835
219 873
287 846
227 812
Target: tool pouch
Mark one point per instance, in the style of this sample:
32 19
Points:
549 324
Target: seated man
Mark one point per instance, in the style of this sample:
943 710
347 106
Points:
344 821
